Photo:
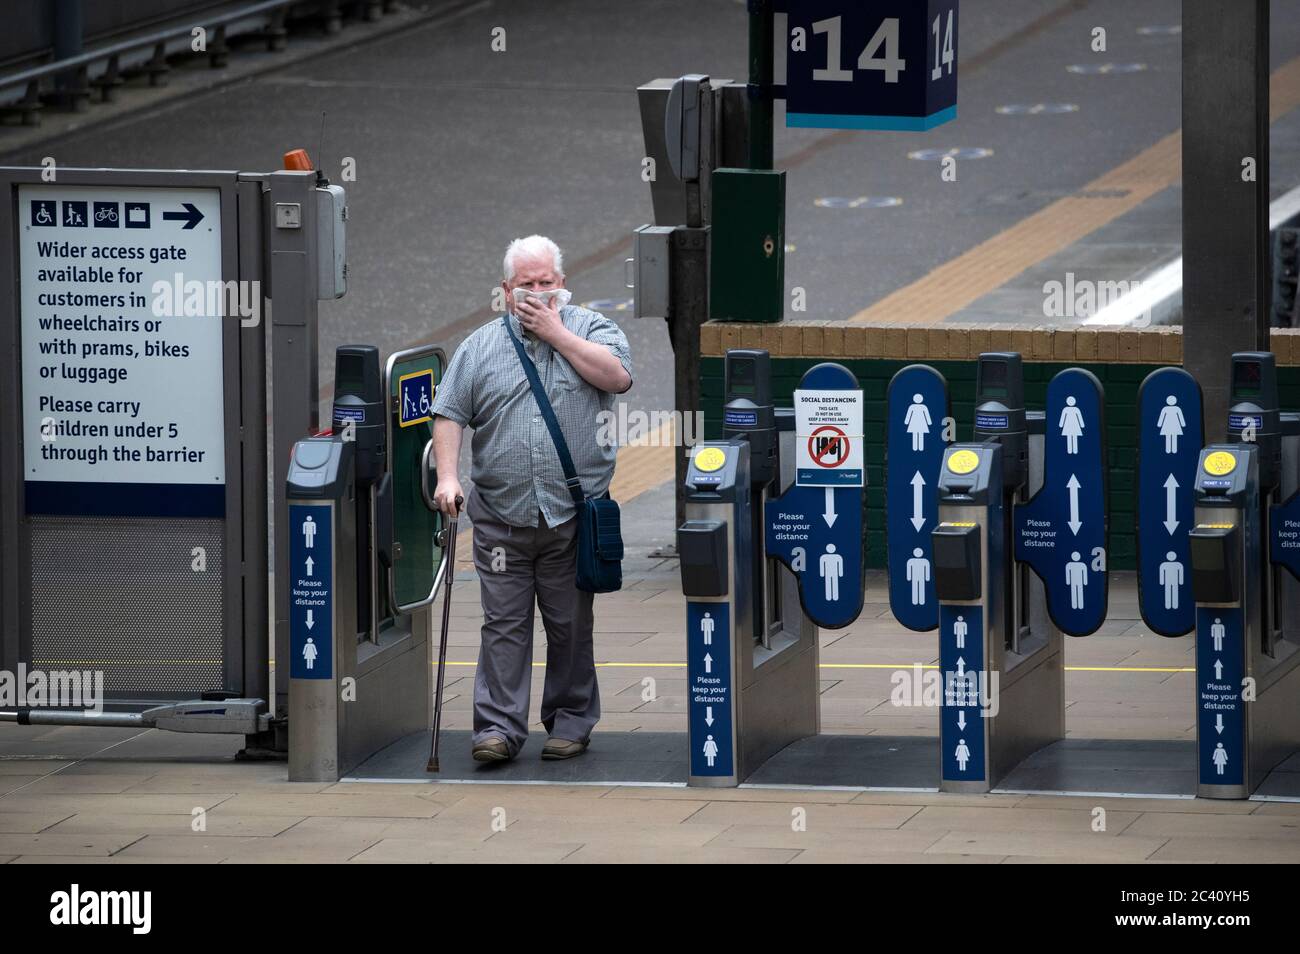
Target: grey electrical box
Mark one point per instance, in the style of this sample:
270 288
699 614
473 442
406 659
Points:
716 133
651 254
331 244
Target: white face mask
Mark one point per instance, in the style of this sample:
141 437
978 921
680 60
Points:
560 296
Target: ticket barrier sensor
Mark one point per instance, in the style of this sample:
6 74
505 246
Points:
1000 653
359 656
1247 628
752 653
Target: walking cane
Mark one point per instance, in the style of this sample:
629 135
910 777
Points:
450 557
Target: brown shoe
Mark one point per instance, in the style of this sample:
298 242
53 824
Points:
491 750
562 749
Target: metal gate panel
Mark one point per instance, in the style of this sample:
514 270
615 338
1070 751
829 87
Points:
122 596
116 590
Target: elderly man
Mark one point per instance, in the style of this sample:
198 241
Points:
525 544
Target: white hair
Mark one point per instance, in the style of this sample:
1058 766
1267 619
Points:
534 247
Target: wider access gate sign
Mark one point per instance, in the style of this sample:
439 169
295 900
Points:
138 394
122 363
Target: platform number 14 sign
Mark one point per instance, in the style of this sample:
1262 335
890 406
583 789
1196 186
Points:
882 92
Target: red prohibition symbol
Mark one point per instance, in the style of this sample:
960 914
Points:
828 446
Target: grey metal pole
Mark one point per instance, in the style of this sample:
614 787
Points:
295 371
1226 257
252 359
690 291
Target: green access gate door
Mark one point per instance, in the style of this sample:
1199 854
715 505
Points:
417 560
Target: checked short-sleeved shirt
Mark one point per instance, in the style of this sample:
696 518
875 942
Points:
515 466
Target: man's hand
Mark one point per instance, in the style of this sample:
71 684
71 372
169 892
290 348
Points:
541 320
446 494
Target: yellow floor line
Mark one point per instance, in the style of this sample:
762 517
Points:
958 283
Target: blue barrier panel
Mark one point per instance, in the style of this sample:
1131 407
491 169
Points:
1170 436
917 408
1220 710
1061 532
311 598
961 660
816 527
1284 534
708 666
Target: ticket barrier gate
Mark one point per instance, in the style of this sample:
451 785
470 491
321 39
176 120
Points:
752 652
1247 613
1000 653
359 654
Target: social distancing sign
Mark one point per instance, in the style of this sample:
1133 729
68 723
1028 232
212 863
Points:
828 438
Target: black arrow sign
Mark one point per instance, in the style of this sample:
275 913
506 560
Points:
191 216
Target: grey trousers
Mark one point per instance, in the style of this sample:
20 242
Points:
517 566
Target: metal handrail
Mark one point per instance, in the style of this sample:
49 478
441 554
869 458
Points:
58 67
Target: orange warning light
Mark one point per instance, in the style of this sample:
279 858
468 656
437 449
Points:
297 160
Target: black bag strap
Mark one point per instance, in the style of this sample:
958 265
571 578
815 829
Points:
548 415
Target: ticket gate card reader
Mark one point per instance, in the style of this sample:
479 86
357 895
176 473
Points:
322 604
1228 587
748 413
359 417
1000 413
358 662
1247 686
1000 416
1254 417
717 565
1003 698
746 701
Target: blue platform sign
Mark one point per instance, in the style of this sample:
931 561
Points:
708 687
415 398
311 595
889 64
1220 710
917 406
1061 532
1170 437
815 528
1284 539
965 691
